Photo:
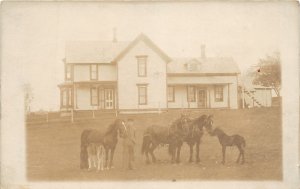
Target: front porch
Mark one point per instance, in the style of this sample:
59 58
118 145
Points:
90 95
201 96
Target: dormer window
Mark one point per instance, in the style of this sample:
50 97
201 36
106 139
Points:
191 66
93 72
142 66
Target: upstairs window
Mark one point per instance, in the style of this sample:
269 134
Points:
94 96
142 94
68 72
94 72
219 93
191 94
142 66
171 94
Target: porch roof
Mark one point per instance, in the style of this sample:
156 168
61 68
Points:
87 83
205 80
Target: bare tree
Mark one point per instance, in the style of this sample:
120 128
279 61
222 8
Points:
268 73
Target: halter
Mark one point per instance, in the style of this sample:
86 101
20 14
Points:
125 128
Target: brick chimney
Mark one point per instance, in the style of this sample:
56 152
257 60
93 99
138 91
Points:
203 55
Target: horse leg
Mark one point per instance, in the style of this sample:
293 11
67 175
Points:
197 152
223 153
90 163
98 158
147 156
154 145
243 156
240 150
178 154
191 153
112 152
172 153
106 158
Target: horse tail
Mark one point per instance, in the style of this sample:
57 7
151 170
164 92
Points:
146 143
170 149
83 149
244 143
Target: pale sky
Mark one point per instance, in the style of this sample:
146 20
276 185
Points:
34 34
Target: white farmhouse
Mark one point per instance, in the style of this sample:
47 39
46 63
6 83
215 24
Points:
139 76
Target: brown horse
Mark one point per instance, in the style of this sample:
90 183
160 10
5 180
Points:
195 134
108 139
234 140
159 135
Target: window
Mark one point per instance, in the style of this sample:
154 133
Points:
219 93
171 94
94 72
94 96
68 71
191 94
142 92
142 66
66 97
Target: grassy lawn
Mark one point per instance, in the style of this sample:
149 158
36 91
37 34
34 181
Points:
53 150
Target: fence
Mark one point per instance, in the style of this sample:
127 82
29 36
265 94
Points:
67 117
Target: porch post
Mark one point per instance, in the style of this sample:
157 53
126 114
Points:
60 98
228 97
116 101
187 95
243 97
209 98
74 96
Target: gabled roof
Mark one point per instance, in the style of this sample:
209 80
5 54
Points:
93 51
105 51
205 65
149 42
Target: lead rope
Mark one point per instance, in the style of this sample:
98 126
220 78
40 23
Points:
124 127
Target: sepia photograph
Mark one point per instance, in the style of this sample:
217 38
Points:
201 93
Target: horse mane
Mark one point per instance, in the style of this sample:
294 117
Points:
199 120
111 127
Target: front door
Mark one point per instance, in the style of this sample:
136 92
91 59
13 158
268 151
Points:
201 98
109 98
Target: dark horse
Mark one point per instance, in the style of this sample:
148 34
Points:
234 140
108 139
195 134
173 136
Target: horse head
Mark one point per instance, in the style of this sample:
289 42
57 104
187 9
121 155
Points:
119 126
217 131
208 123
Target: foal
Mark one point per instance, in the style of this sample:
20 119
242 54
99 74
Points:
96 156
234 140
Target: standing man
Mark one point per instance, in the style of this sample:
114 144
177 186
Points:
129 141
